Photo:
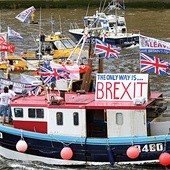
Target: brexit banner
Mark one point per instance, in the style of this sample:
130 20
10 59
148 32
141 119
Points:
121 87
152 45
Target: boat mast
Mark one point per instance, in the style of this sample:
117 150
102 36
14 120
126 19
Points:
52 24
115 6
60 24
87 77
40 39
0 22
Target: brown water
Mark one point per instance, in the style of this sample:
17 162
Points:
153 23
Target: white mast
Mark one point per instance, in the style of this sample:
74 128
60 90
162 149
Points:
40 43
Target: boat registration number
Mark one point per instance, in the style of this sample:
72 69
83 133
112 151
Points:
151 147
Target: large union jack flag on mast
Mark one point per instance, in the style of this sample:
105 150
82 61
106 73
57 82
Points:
153 64
106 50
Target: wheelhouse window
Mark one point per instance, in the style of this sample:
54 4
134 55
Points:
59 45
72 43
35 113
119 118
75 118
67 43
18 112
59 118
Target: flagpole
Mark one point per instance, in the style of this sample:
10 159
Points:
0 22
39 52
78 58
139 52
75 48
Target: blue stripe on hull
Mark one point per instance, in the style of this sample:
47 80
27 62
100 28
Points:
91 149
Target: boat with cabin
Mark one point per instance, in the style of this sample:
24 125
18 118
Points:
109 25
56 45
121 122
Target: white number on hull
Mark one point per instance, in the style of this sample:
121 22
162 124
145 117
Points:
151 147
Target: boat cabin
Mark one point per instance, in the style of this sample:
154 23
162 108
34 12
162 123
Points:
112 23
112 111
57 44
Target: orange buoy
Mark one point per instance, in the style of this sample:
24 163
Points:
21 146
164 159
133 152
66 153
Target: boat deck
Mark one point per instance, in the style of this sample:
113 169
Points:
71 100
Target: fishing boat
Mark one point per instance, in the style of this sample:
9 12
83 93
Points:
56 44
120 122
109 25
86 128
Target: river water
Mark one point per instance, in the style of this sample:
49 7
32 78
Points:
152 23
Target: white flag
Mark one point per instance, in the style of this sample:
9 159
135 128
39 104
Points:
25 15
72 69
13 34
153 45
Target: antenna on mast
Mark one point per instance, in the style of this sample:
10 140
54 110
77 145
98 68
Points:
100 5
103 6
87 10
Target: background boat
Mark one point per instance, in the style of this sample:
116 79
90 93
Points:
108 24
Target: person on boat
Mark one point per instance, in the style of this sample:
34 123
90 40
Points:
4 102
12 95
48 49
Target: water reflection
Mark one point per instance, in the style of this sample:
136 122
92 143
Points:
20 165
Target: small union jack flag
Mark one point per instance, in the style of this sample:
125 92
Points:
48 74
106 50
52 74
153 64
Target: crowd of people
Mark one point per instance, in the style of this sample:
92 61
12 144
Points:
5 108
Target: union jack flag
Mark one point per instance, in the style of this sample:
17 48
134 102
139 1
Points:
52 74
153 64
106 50
36 90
